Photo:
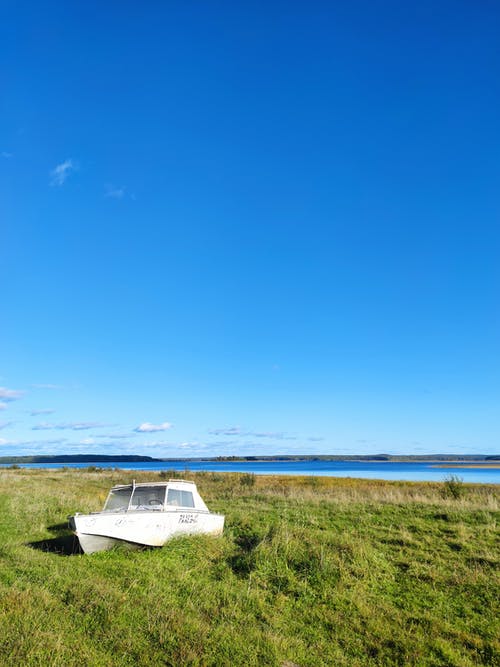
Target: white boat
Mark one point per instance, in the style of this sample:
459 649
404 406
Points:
149 514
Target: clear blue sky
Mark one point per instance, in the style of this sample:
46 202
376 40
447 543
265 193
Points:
250 228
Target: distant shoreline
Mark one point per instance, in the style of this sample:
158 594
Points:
460 464
440 460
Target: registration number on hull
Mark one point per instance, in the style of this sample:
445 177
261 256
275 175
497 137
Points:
188 518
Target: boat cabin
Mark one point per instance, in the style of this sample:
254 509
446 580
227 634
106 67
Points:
159 496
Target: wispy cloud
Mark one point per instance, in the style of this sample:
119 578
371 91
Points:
114 192
4 425
60 173
43 426
146 427
58 441
35 413
47 386
237 430
71 426
6 154
198 446
231 430
3 406
55 441
7 395
222 443
162 449
275 435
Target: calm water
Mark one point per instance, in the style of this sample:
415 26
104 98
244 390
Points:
378 470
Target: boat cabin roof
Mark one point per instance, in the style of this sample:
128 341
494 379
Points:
160 484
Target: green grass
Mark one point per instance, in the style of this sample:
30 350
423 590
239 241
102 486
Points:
309 571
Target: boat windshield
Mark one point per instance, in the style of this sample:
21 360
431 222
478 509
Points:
179 498
118 499
148 497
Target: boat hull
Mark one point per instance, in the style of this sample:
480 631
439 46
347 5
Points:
92 543
133 530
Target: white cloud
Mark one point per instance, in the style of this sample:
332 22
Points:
59 174
4 424
35 413
146 427
3 406
10 394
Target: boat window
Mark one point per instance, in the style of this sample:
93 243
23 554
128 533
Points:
118 499
148 497
179 498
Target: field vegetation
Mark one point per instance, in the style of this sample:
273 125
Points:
310 571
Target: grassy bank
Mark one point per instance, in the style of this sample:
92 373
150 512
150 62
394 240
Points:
309 572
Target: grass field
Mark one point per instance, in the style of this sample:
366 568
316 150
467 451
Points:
310 571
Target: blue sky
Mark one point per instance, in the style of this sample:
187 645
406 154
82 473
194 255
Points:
249 228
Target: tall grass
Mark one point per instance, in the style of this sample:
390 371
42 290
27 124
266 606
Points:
339 572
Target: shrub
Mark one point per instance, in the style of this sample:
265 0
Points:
453 487
168 474
247 479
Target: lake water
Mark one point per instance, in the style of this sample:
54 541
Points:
412 471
